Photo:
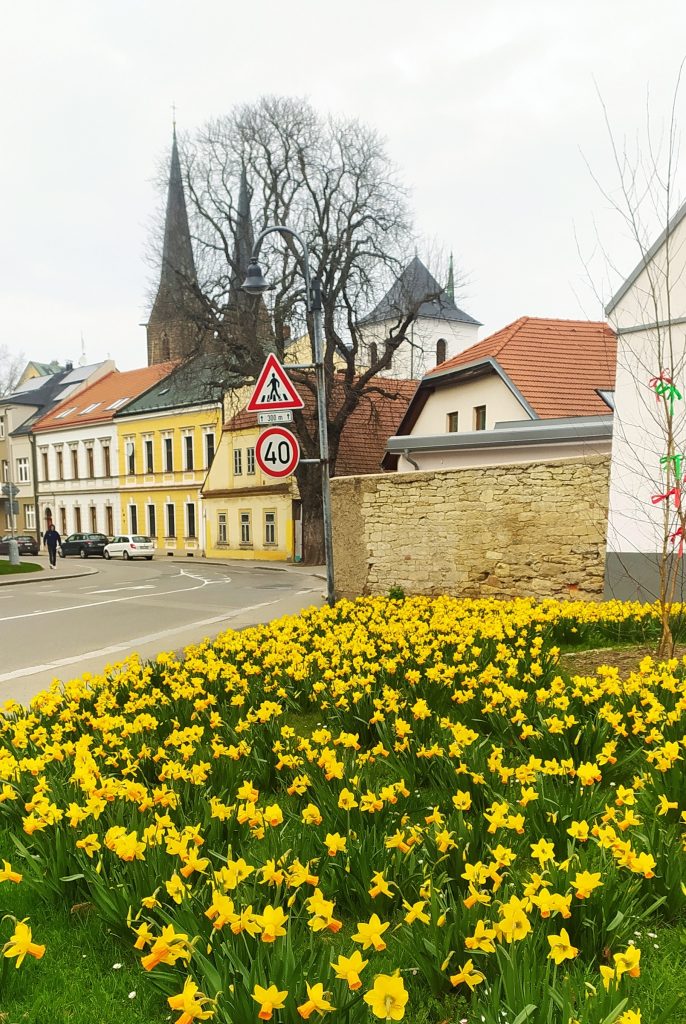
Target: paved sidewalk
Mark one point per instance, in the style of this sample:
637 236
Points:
62 572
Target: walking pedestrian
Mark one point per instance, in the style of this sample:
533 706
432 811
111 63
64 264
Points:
52 541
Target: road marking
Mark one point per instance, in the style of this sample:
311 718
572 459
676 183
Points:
117 590
98 604
129 645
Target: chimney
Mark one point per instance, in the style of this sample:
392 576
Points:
69 365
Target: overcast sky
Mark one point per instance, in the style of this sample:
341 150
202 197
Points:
489 108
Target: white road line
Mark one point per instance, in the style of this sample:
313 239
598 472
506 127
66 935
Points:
128 646
118 590
97 604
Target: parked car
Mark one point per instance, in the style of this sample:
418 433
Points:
130 545
27 545
83 544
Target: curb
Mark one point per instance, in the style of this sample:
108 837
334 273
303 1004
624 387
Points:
41 577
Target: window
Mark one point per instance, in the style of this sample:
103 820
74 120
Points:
133 518
209 449
30 517
373 354
63 520
171 519
89 408
44 465
452 422
106 459
270 527
117 403
190 520
246 528
480 417
75 463
93 516
77 519
2 427
130 458
440 350
5 471
168 455
22 471
250 461
60 467
90 458
109 519
152 522
149 466
65 412
222 534
237 461
188 452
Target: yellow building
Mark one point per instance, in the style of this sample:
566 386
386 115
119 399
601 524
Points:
166 440
248 514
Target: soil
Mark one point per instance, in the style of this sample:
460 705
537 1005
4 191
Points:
626 659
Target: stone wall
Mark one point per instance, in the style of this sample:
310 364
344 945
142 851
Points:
502 531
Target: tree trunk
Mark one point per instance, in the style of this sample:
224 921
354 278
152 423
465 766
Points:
310 488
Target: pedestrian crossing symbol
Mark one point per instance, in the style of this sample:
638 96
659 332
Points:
273 389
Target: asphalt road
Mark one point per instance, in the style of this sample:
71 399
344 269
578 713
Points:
61 628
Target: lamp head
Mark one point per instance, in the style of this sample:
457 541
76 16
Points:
255 283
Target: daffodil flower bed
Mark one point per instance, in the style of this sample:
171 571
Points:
331 815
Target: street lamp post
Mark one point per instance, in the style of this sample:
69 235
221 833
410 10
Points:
255 284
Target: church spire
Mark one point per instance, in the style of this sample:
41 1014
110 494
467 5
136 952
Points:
244 240
169 334
450 287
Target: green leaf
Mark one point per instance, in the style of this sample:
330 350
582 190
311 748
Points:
71 878
615 923
525 1014
614 1014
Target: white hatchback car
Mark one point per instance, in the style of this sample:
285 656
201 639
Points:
130 545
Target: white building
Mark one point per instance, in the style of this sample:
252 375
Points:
440 330
467 410
77 454
649 315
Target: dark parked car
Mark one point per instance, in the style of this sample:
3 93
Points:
84 544
27 545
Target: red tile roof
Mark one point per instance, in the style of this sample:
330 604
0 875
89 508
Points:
367 429
103 398
556 364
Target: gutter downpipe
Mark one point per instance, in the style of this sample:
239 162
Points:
406 456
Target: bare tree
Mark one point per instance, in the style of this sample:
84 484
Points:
333 182
647 513
11 366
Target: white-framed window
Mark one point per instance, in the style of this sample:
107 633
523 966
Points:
90 461
130 450
170 515
222 531
148 454
270 527
168 454
209 448
106 462
133 518
246 528
190 520
250 461
5 471
74 463
188 452
152 521
30 517
453 420
479 417
45 465
22 471
2 427
60 465
237 461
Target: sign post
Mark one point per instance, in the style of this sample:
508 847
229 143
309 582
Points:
10 491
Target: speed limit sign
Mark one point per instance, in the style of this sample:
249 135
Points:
277 452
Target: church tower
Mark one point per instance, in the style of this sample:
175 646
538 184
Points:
173 331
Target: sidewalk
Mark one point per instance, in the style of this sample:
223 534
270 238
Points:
68 569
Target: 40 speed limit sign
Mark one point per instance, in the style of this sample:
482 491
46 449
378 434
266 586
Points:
277 452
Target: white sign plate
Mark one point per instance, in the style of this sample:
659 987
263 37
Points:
265 418
277 452
274 389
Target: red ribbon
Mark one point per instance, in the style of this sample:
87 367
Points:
680 534
654 381
674 492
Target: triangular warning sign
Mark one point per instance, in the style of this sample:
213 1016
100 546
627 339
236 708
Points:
273 389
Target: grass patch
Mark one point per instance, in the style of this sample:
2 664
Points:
11 570
75 982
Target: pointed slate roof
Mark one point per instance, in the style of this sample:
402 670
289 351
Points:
409 291
244 240
178 265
